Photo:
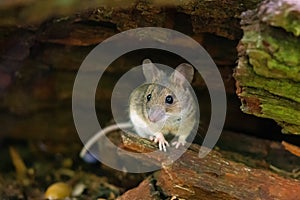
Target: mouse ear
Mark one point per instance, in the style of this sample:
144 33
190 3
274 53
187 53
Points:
183 72
150 71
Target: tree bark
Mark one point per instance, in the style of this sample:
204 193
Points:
211 177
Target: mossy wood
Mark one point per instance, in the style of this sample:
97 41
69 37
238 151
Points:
268 72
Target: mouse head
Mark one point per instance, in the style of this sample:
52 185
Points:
166 95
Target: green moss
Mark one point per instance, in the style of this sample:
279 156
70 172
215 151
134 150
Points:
289 128
283 13
283 88
272 106
292 23
265 66
273 53
283 47
283 111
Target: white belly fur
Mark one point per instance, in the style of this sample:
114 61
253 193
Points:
140 126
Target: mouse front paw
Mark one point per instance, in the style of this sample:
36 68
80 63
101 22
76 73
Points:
162 142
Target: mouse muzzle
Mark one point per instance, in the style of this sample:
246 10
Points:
156 113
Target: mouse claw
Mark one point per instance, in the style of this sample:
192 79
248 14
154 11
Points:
162 142
177 144
162 146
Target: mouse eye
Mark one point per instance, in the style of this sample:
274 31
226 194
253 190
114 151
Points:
148 97
169 99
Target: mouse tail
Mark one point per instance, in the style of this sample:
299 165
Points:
99 134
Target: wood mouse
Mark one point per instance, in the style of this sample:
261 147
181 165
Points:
164 104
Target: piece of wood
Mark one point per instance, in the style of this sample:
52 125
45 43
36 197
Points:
291 148
212 177
146 191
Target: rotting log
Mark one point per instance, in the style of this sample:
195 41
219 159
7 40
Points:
218 16
212 177
43 44
268 72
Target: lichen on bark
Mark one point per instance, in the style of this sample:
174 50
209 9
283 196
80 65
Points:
268 72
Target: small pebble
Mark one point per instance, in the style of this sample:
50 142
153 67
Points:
58 190
78 189
67 163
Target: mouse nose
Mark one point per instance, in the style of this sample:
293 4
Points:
156 113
